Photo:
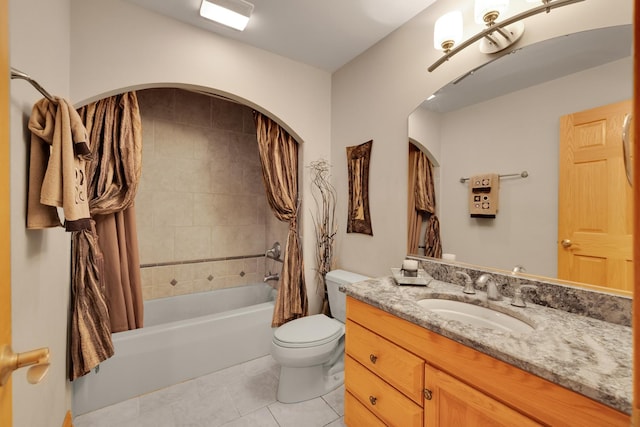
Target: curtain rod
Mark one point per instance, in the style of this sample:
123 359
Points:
17 74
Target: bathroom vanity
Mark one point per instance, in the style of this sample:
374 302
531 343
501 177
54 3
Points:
406 366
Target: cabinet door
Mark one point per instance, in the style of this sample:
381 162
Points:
449 402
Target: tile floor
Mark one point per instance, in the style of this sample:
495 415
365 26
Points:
239 396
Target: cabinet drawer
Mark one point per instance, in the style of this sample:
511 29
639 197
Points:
386 403
356 414
392 363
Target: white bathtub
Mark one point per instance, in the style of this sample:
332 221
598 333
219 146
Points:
184 337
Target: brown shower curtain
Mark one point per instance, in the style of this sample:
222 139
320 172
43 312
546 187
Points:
422 203
106 257
279 160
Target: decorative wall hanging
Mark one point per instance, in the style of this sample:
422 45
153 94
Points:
359 220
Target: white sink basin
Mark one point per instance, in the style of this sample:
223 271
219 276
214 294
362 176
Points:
474 315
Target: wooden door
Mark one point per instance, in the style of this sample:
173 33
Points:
449 402
635 418
595 201
5 243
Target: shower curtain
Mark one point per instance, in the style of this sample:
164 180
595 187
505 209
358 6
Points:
115 132
105 258
279 161
422 203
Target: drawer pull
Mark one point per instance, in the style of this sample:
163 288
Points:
373 400
427 394
373 358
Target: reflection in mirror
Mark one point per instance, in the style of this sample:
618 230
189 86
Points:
424 225
504 117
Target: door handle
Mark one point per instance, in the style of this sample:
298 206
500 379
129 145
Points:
626 148
10 361
566 243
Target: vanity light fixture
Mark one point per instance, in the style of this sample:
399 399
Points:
497 35
232 13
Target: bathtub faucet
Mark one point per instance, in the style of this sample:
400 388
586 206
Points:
274 252
271 277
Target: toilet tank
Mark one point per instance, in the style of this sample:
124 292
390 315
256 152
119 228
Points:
338 300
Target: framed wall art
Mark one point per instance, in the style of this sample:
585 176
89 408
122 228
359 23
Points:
358 157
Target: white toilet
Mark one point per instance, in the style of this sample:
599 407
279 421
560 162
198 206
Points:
310 350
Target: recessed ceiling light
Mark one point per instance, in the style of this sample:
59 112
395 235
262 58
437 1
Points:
232 13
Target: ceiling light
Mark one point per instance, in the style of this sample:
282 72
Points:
497 35
232 13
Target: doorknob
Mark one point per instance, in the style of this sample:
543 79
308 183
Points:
10 361
566 243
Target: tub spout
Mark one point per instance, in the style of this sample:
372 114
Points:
270 276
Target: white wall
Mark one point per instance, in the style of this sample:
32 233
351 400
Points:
117 45
424 130
373 95
509 134
39 46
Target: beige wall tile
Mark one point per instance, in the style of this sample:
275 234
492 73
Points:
248 122
146 277
160 245
162 291
205 269
172 209
163 275
159 174
186 272
172 140
251 265
226 179
183 288
227 115
252 182
192 175
201 193
193 108
157 103
192 243
147 293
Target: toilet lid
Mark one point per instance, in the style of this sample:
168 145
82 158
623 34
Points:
308 331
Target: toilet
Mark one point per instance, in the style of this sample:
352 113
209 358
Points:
310 350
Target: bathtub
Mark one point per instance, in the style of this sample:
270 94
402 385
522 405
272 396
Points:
184 337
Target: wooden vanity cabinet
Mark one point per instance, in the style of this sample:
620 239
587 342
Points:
400 374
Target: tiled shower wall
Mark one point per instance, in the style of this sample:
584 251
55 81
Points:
203 219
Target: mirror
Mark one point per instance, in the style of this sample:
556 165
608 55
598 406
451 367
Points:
503 117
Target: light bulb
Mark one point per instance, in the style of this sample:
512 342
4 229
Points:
447 31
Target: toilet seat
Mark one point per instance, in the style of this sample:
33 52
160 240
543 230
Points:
310 331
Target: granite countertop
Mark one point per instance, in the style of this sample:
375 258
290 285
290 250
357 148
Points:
586 355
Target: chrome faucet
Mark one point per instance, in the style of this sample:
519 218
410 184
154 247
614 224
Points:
518 269
270 276
518 301
468 283
492 287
